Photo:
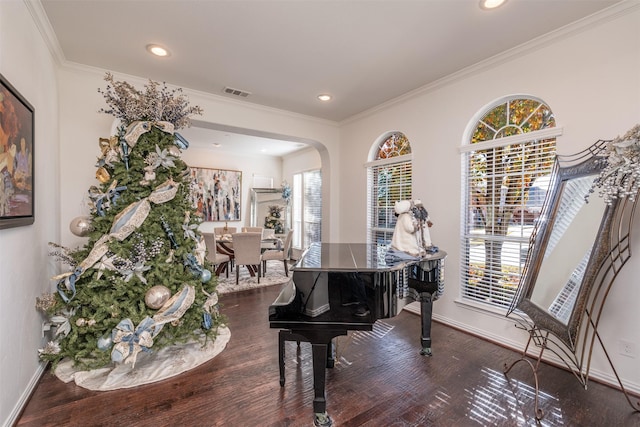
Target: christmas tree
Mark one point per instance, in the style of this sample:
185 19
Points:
141 282
274 220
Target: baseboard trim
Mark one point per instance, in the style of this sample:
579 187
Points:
607 378
26 395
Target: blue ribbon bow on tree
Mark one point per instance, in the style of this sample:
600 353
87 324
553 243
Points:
129 341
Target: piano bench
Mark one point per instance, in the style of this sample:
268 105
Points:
286 335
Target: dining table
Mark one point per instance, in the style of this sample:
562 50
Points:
224 245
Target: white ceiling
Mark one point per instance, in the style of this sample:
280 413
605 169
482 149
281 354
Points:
226 141
285 53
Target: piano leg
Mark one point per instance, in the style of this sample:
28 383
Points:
285 335
281 341
331 355
426 307
321 418
323 352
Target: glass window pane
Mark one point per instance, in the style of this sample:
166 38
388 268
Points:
387 184
505 187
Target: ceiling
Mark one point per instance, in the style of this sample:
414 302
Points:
284 53
224 141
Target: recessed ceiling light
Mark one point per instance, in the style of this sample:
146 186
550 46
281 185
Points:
157 50
491 4
324 97
217 144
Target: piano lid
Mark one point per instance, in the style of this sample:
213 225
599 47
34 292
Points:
338 257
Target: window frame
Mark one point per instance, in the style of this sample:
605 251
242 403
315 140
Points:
497 299
381 231
299 223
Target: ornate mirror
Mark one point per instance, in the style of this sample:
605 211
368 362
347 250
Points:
565 246
270 210
576 250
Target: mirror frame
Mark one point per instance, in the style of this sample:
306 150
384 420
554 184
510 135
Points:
255 194
588 162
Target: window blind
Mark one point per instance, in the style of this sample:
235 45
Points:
504 188
307 208
312 218
387 183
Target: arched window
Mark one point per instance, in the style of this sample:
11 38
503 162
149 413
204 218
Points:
388 181
506 165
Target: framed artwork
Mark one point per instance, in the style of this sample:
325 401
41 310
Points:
216 193
16 158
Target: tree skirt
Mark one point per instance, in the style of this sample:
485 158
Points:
149 367
170 361
274 276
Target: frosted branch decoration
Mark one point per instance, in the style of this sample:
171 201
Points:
156 103
621 177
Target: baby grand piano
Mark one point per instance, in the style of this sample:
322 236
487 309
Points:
331 282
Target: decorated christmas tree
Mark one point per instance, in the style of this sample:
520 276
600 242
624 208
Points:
274 220
141 282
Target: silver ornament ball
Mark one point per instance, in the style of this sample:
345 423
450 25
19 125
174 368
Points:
157 296
105 342
174 151
81 226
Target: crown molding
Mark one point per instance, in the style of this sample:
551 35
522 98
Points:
46 30
611 13
620 9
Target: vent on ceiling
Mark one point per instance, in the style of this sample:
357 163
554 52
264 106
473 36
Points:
236 92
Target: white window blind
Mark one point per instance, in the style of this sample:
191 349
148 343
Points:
307 208
504 187
506 174
296 211
387 183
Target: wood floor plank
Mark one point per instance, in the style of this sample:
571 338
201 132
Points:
379 379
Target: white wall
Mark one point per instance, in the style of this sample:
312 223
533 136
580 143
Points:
248 165
277 168
591 80
300 161
25 267
81 127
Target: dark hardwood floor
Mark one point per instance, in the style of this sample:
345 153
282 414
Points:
379 379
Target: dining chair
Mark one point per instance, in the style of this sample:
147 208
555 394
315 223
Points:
279 254
220 231
252 229
247 252
225 248
220 261
268 233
